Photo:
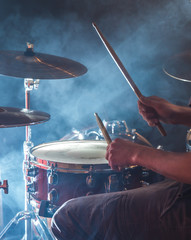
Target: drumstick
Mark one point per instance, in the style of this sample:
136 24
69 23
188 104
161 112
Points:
103 129
124 72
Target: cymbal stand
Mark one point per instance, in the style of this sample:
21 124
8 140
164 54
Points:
29 85
27 214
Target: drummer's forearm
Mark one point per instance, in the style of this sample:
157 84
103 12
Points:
176 166
182 116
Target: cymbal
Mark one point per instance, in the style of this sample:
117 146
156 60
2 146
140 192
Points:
16 117
179 66
38 65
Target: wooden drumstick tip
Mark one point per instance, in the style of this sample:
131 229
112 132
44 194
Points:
103 129
95 26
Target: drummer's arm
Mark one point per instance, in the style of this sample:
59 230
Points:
172 165
154 109
122 153
177 166
183 116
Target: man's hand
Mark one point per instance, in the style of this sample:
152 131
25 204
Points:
121 153
154 109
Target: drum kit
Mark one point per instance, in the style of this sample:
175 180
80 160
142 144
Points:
75 165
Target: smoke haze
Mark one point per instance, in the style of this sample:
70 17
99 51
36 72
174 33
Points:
144 35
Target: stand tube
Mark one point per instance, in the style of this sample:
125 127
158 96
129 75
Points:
29 85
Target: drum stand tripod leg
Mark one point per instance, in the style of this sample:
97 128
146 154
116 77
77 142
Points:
40 225
15 221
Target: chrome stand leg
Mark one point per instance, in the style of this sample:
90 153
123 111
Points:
15 221
39 225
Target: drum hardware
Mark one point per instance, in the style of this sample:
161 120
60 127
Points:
91 181
32 171
160 147
91 135
32 187
29 85
113 183
24 216
52 177
41 228
119 129
116 126
4 186
145 177
145 173
132 177
47 209
53 196
150 177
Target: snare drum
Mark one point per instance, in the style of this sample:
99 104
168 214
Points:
68 169
76 166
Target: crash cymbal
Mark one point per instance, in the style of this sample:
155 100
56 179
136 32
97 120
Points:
179 66
16 117
38 65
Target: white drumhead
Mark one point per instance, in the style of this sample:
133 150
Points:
72 152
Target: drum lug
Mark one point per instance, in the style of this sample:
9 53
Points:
32 171
53 196
52 177
113 183
32 187
90 181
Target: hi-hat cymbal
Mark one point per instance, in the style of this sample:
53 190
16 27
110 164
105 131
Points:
38 65
16 117
179 66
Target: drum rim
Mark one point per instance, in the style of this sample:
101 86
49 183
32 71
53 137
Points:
71 167
68 167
